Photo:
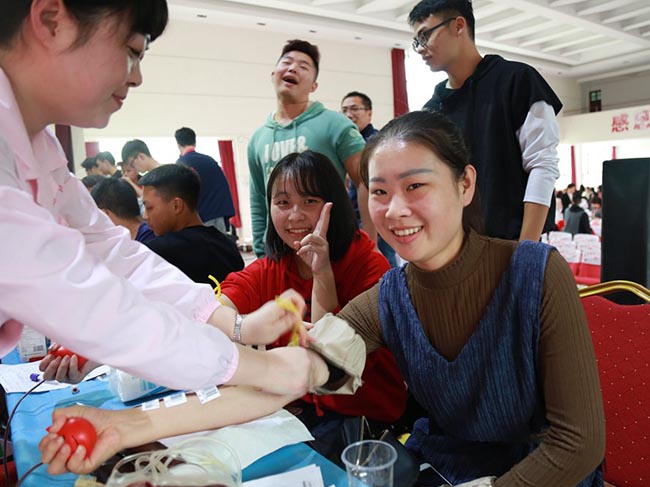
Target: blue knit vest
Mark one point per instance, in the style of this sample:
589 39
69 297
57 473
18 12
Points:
485 406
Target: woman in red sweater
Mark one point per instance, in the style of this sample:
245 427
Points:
314 246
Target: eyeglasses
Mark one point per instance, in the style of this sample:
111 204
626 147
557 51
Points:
352 109
423 37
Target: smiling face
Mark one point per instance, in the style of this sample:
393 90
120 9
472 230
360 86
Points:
417 204
93 80
294 77
294 215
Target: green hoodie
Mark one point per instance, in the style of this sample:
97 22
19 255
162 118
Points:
317 129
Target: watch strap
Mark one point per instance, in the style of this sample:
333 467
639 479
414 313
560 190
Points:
236 332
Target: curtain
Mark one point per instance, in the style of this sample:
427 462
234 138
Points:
573 164
64 134
92 149
228 165
400 98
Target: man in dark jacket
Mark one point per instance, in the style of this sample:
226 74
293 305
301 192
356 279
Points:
507 113
576 219
215 200
170 195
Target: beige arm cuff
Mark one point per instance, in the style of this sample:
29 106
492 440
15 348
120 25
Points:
340 345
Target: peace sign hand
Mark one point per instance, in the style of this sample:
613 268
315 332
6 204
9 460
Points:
314 249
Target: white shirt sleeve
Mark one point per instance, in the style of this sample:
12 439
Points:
538 138
109 299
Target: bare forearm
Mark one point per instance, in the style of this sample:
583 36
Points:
533 223
223 318
235 405
284 370
323 296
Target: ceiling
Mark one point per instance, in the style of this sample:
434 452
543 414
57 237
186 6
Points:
580 39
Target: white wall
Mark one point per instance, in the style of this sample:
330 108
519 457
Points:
568 90
624 91
217 81
599 126
594 136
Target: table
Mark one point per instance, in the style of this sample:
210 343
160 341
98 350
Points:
35 413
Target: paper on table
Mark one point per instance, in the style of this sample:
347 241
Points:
255 439
309 476
15 378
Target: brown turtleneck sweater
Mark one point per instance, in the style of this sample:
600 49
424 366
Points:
450 302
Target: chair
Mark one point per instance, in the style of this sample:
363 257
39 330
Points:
580 238
587 243
589 268
621 338
554 237
597 226
572 256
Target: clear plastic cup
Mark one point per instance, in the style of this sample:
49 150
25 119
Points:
197 462
369 463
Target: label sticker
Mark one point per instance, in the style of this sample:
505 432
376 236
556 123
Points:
175 399
207 394
150 405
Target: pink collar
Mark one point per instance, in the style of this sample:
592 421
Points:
36 157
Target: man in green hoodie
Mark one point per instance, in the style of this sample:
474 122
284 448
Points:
296 125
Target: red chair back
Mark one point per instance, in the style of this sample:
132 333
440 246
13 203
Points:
588 274
621 337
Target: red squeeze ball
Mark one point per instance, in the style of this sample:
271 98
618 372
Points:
62 352
79 431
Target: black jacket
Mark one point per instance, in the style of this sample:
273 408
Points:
576 220
199 252
489 108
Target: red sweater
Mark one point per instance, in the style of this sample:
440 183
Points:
383 394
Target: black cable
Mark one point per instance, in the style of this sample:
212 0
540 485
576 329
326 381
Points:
4 440
20 481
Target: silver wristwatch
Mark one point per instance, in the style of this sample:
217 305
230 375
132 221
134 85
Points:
236 332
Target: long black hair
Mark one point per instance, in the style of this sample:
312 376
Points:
313 174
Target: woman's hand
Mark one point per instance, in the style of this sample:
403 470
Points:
314 249
110 440
65 369
271 321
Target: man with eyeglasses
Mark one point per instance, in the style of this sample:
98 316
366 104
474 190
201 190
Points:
296 125
136 154
357 107
507 113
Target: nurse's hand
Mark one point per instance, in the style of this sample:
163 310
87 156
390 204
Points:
65 369
273 320
295 371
